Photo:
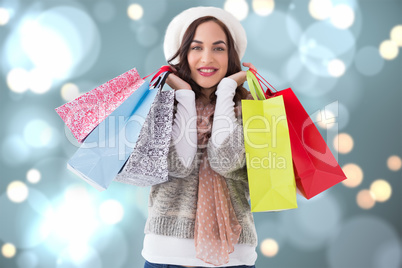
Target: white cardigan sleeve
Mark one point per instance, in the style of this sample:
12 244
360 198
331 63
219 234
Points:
226 145
184 132
224 116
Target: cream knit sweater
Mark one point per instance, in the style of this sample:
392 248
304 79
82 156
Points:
172 205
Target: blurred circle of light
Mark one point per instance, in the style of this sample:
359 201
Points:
54 55
111 211
354 175
33 176
365 199
301 79
238 8
368 61
8 250
381 190
78 256
336 68
359 240
394 163
17 191
325 119
78 253
25 220
135 11
55 167
320 9
4 16
389 50
343 143
388 255
38 133
314 223
17 80
320 44
71 46
342 16
14 150
269 247
396 35
73 219
39 81
76 194
69 91
263 7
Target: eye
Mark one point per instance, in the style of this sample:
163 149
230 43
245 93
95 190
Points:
196 48
219 49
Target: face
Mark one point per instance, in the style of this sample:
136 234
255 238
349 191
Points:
208 55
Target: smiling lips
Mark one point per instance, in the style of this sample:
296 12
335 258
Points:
207 71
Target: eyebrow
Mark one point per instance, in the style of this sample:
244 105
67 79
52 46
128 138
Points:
215 43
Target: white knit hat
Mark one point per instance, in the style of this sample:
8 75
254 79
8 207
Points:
180 23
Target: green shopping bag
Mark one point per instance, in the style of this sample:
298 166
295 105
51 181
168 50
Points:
268 153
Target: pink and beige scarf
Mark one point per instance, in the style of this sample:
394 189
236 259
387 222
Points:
217 229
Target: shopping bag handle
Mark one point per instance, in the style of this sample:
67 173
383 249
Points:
160 80
165 68
255 86
270 91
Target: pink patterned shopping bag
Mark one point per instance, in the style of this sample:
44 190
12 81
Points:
84 113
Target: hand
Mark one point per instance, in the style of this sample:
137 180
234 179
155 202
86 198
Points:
241 76
176 82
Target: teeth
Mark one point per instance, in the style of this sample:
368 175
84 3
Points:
207 70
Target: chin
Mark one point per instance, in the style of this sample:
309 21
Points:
207 83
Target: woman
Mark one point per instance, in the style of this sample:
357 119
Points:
201 216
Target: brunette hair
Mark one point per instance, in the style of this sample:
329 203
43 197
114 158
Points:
183 68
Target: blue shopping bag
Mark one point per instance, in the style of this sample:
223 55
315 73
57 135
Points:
108 146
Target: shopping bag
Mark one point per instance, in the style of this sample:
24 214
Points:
108 146
147 164
268 155
84 113
316 168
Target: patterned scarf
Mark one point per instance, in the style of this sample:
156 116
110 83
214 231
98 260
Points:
216 226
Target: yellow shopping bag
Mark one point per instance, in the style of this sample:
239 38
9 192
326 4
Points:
268 153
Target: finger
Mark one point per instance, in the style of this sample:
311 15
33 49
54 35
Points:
252 67
249 65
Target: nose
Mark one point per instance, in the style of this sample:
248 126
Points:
206 56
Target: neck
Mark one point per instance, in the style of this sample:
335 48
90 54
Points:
206 92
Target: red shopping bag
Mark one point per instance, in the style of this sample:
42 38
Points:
316 168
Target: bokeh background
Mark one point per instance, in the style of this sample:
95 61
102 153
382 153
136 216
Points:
340 58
